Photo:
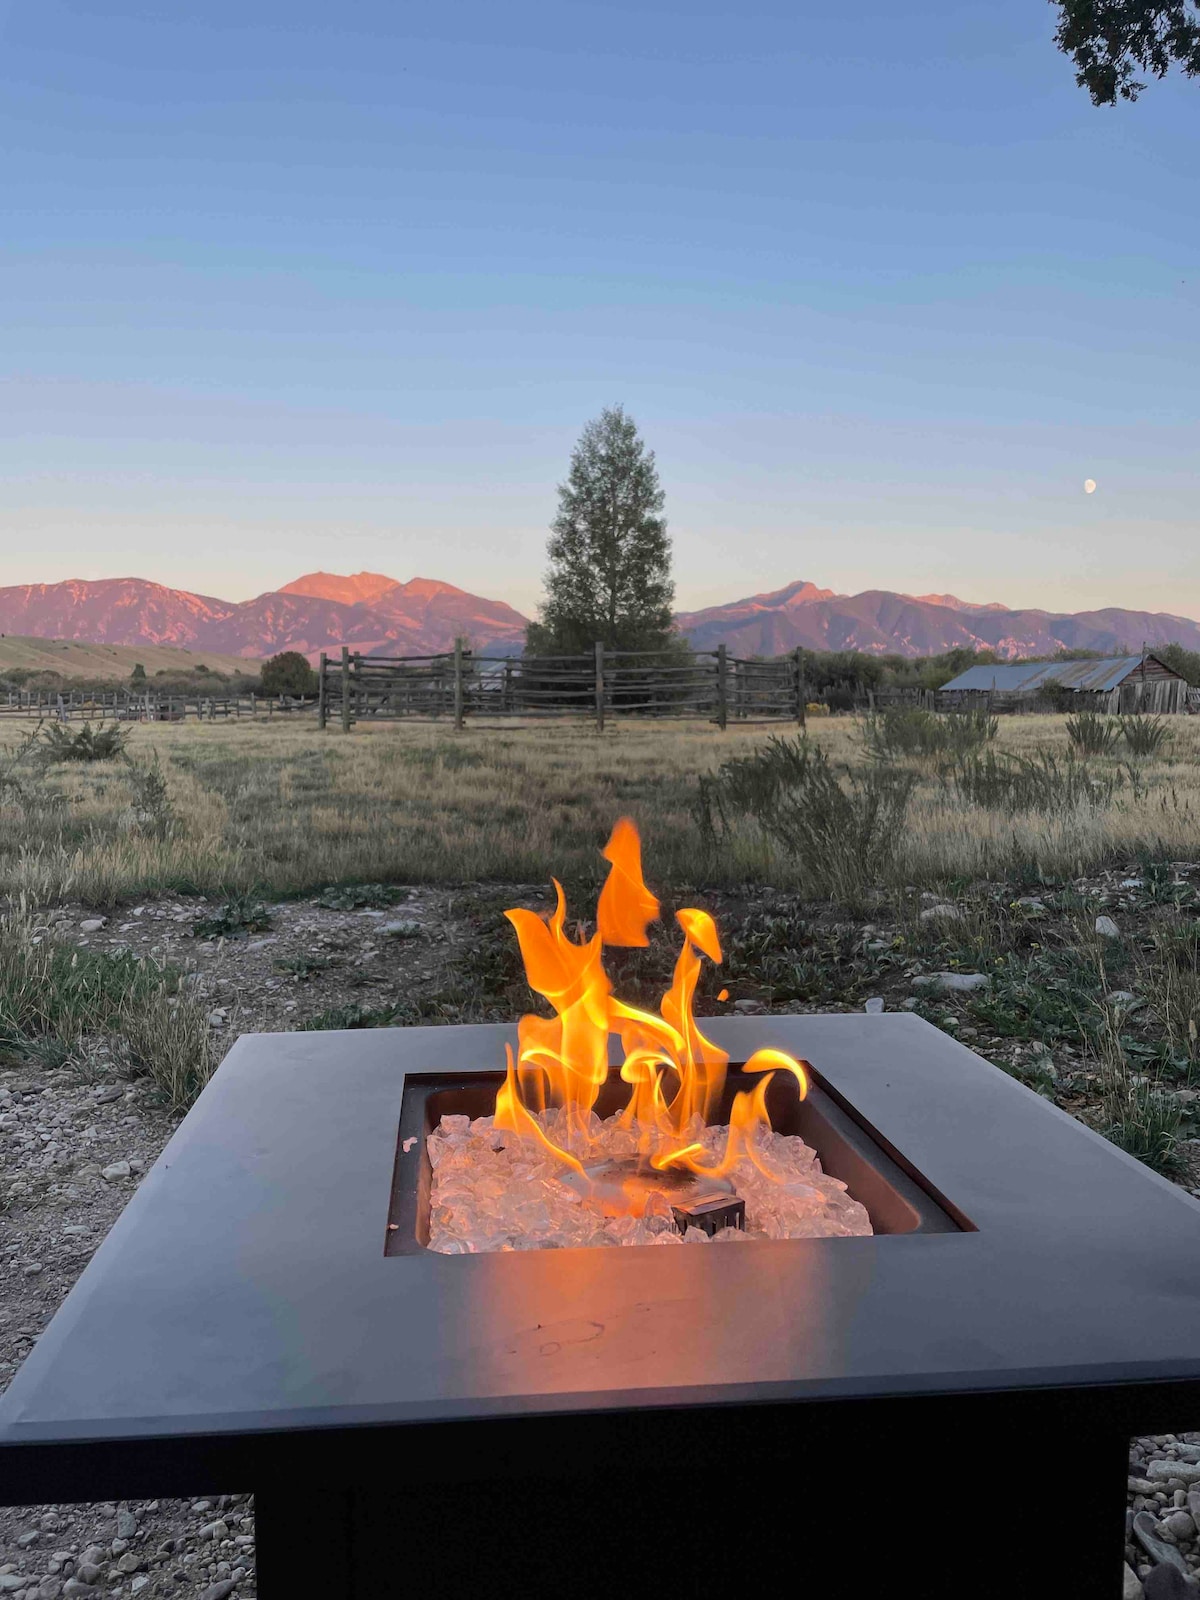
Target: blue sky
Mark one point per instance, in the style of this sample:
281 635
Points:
285 286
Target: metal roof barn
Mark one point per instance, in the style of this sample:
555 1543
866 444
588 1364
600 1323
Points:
1121 684
1023 677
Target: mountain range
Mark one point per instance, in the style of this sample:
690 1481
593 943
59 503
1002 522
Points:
379 615
323 610
882 623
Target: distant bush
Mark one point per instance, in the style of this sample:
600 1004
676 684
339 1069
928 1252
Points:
288 673
91 742
900 731
1040 782
1093 734
842 837
1145 736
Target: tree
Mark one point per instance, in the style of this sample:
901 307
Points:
138 675
1110 40
1185 662
609 578
288 673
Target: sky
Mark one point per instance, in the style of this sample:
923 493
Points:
287 286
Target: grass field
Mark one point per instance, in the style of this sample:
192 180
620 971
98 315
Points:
284 809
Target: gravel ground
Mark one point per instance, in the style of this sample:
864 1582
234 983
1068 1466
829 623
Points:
73 1147
72 1153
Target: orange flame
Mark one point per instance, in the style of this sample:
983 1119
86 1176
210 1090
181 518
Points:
675 1074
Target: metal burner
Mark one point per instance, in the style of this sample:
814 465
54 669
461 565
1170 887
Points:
622 1188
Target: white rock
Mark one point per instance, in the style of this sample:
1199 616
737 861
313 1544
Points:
119 1169
1186 1471
93 924
941 913
1133 1585
406 929
1120 997
874 1005
953 982
749 1008
1107 928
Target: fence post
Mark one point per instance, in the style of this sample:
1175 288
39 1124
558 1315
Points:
345 688
458 684
801 711
321 708
508 700
599 687
722 687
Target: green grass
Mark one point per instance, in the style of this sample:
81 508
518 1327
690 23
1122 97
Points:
60 1004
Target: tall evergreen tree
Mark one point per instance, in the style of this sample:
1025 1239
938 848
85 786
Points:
610 557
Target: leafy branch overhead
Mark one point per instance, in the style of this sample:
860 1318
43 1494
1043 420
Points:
1111 40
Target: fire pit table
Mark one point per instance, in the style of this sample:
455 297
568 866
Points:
265 1316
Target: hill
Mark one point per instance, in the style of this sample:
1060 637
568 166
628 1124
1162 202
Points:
72 659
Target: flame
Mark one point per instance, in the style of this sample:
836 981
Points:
675 1074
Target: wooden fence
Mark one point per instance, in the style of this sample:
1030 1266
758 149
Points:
124 705
603 685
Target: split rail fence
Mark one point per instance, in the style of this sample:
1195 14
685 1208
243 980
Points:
600 686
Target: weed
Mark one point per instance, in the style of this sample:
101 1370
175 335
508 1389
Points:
840 839
360 896
240 916
353 1016
1093 734
54 998
1145 1121
1049 995
303 966
1041 782
906 731
91 742
152 809
795 960
1146 736
1172 984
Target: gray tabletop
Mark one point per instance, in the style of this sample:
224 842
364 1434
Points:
245 1286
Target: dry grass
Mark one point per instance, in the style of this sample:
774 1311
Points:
286 809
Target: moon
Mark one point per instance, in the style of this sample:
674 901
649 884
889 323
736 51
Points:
1089 486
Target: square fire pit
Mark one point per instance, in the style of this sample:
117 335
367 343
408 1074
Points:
265 1315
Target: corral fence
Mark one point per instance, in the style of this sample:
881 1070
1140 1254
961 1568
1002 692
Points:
602 685
126 705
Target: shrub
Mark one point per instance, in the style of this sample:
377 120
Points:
91 742
1144 735
288 673
1039 782
1093 734
843 838
908 731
